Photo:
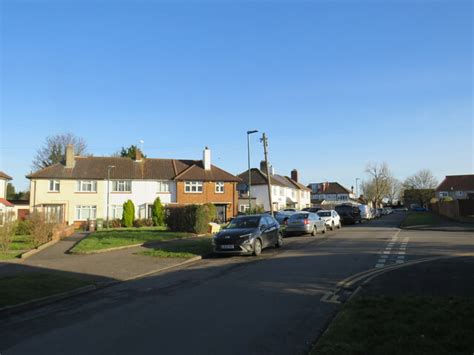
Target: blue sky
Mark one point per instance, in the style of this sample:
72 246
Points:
334 84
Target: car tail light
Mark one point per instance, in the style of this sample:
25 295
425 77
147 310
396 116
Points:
306 221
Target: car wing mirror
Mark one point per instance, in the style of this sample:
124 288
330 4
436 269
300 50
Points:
263 227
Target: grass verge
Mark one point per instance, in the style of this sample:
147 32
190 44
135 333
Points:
19 245
402 325
119 238
421 219
29 286
182 249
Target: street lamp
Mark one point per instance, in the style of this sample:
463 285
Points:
250 174
108 191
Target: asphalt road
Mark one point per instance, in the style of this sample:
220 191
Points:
277 303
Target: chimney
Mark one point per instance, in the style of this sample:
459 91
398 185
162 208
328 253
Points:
70 162
206 159
263 167
294 175
138 154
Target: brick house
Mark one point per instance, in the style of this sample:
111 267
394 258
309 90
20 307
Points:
459 187
96 187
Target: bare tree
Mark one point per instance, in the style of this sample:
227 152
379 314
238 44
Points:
395 190
378 186
7 230
423 179
54 149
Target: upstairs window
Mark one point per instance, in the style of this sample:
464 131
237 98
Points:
163 186
443 194
53 185
122 186
86 186
219 187
193 187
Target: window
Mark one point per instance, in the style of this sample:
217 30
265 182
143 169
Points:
281 191
443 194
219 187
122 186
53 185
163 186
87 186
116 211
274 190
342 197
83 213
193 186
459 193
293 193
243 208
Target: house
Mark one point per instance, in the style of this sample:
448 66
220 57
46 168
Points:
459 187
330 193
6 207
96 187
287 192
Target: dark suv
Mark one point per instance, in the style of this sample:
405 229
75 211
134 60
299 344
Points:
349 214
248 235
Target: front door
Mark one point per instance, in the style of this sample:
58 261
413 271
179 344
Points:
221 213
54 213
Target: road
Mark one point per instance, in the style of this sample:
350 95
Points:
278 303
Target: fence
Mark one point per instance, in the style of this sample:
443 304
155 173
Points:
454 209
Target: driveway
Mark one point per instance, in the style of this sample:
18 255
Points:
275 304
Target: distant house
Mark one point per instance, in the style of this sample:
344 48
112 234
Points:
6 207
459 187
330 193
96 187
287 192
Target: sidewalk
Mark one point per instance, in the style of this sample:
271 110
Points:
117 265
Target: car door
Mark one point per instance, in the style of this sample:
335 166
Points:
274 229
264 231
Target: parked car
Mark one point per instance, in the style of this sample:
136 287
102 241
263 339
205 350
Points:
282 217
349 214
380 212
305 223
312 209
289 210
375 213
366 212
331 218
248 235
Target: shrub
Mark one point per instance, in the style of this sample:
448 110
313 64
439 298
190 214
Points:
23 227
257 210
7 230
116 223
190 218
128 215
158 213
447 199
41 230
211 211
144 222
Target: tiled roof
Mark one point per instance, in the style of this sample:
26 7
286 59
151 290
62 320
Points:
6 203
260 178
128 169
332 188
457 183
4 176
196 172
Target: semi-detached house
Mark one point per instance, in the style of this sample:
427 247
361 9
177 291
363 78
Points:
83 187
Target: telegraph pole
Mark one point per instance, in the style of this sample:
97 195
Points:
264 140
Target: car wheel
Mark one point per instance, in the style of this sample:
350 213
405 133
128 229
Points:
279 243
324 230
339 226
332 226
314 231
257 248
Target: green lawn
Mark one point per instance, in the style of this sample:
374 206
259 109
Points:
402 325
28 286
19 245
123 237
182 249
420 218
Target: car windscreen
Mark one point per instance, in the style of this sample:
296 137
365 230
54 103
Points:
244 222
324 214
299 216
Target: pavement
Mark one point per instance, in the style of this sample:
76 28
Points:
273 304
119 265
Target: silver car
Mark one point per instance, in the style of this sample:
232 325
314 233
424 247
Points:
305 223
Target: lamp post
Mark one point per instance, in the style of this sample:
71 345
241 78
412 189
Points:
357 187
108 191
250 174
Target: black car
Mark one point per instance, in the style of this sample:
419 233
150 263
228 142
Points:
311 209
349 214
248 235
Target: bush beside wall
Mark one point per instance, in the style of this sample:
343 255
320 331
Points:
190 218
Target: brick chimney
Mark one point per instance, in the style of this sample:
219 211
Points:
206 159
138 154
263 168
294 175
70 161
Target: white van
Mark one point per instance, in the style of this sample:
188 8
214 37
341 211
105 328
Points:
365 212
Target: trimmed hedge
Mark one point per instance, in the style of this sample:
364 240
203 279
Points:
128 215
158 213
190 218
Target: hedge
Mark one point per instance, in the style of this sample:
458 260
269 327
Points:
190 218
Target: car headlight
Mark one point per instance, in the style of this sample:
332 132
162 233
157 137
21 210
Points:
248 237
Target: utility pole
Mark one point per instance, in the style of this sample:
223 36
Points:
264 140
108 192
250 173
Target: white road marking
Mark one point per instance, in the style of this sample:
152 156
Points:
379 265
401 257
401 253
399 261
